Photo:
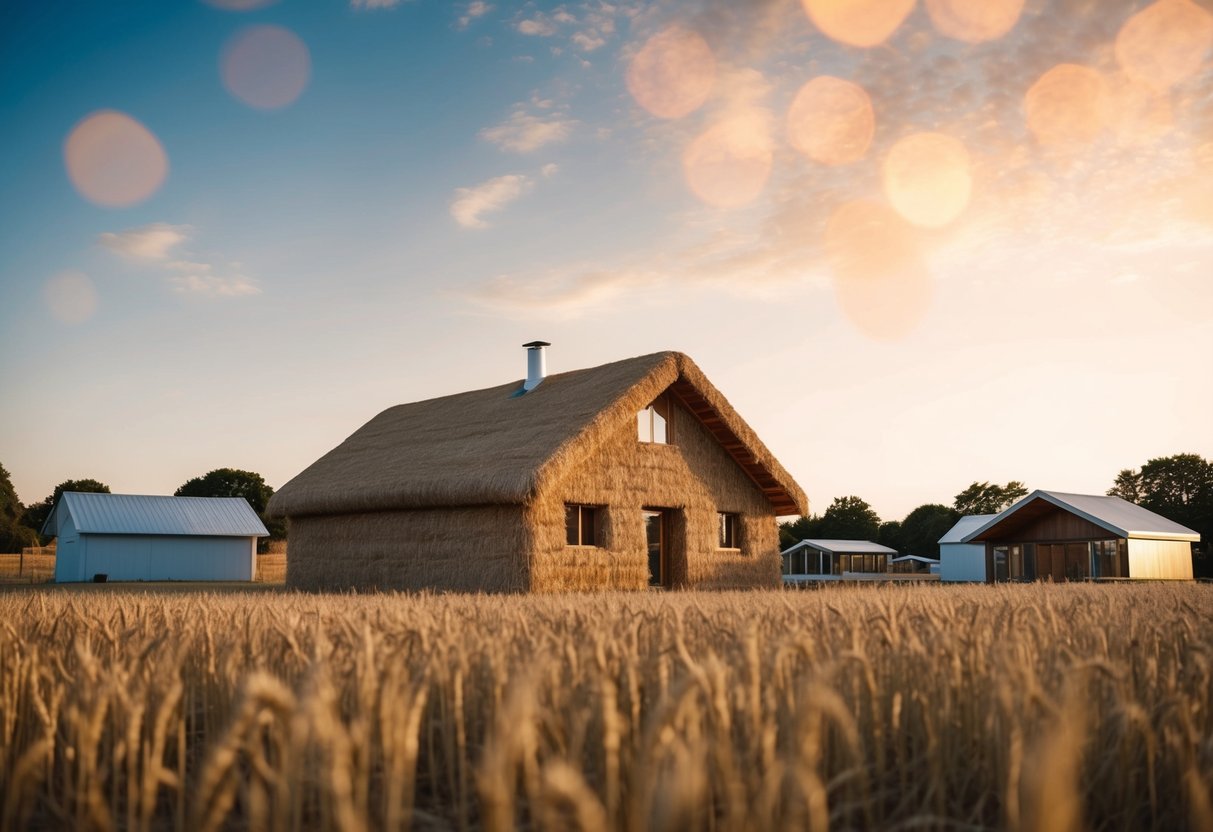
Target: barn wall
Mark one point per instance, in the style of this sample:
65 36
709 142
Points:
1163 559
694 477
962 561
68 565
1056 525
478 549
128 557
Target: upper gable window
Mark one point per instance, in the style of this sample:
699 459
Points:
653 423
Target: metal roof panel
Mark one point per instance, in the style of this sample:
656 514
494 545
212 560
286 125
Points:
142 514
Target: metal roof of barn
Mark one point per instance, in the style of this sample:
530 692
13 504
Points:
843 547
1120 517
966 524
140 514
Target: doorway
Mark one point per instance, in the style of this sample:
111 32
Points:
656 535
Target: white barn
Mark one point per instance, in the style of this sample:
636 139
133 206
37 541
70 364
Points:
128 537
960 561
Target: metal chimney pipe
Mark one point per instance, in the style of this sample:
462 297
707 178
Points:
536 364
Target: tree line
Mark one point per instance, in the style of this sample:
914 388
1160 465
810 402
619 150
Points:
21 526
1178 487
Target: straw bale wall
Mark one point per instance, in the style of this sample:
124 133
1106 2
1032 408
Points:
694 477
470 549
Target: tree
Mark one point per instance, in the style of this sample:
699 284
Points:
232 482
988 498
1178 487
13 535
1127 486
799 529
849 518
36 513
922 528
890 534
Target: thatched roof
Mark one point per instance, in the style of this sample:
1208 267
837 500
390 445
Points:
490 447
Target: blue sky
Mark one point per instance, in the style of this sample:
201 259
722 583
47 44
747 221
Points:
454 179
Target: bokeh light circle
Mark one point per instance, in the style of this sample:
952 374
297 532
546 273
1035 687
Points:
673 73
728 165
881 280
1067 105
831 121
70 296
974 21
1165 43
114 160
858 22
266 67
927 178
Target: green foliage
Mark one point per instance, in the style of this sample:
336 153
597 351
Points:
1180 488
891 534
988 498
800 529
13 536
850 518
922 528
232 482
35 515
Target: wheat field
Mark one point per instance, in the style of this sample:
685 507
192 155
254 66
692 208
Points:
1020 707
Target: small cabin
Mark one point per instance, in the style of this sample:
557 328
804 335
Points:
1051 535
960 561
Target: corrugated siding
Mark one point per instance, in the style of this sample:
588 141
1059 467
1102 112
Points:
165 558
137 514
1161 559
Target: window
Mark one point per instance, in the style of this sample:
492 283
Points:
729 539
653 423
1105 555
581 525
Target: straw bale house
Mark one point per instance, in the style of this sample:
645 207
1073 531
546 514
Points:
633 474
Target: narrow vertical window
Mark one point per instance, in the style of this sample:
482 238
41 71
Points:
728 531
580 525
653 423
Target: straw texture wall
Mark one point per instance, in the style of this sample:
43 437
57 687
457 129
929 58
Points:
694 477
475 549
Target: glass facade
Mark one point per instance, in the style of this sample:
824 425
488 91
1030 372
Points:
808 561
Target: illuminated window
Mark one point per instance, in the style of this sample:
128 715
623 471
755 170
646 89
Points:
581 525
653 423
729 539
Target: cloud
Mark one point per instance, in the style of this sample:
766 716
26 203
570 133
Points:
539 26
213 286
475 9
549 170
588 41
469 205
148 242
569 292
523 132
186 272
374 4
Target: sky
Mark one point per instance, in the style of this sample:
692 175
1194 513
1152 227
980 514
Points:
915 244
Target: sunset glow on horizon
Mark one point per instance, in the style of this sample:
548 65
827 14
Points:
913 242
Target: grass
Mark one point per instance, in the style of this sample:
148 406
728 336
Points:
1021 707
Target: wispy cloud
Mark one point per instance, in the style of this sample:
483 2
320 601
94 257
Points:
209 285
538 26
374 4
524 133
149 242
164 246
568 293
475 9
469 205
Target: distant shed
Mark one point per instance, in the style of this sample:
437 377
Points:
819 559
959 561
129 537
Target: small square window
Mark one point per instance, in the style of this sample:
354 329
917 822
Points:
729 539
581 525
